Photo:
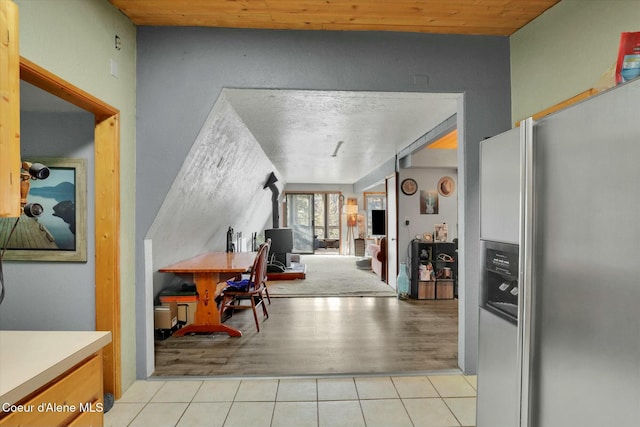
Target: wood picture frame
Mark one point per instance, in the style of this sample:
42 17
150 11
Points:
429 202
60 233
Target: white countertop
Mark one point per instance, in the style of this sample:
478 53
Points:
30 359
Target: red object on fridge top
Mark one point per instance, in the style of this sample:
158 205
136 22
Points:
628 65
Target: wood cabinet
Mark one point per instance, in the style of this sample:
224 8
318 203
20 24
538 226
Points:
434 270
74 398
52 378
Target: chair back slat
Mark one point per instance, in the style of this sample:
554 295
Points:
265 264
259 269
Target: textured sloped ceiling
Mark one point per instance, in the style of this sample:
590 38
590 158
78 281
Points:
219 185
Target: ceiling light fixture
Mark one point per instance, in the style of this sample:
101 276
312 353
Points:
335 152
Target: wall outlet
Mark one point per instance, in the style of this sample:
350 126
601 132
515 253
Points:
406 221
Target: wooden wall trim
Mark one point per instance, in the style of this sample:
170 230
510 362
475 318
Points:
107 205
564 104
107 208
38 76
9 111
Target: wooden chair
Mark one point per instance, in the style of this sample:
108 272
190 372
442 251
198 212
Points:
264 274
233 299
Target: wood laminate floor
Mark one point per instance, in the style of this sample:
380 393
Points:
322 336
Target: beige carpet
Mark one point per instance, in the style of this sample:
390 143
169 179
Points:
331 275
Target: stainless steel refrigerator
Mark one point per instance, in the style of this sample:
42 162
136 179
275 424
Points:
578 308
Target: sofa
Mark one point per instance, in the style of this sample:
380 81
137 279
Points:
378 254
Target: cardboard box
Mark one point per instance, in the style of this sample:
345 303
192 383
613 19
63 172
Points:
165 316
187 305
187 312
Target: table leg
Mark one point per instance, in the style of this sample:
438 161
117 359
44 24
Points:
207 316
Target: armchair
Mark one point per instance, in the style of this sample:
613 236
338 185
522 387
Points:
378 254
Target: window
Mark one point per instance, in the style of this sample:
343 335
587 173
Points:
373 201
313 217
327 215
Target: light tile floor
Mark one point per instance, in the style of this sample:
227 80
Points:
439 400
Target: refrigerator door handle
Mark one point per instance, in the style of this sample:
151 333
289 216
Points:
525 295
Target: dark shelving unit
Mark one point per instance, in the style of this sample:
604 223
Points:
443 282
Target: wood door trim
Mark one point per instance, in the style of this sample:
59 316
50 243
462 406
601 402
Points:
45 80
9 111
107 210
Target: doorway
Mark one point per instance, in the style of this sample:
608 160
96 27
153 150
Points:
392 229
107 210
239 104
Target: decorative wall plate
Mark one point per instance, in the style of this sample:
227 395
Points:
409 186
446 186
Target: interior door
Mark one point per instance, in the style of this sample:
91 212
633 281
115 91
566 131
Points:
392 230
300 216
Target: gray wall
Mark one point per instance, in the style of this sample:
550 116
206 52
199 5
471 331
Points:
54 295
181 72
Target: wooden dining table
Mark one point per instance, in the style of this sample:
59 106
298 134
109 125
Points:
208 271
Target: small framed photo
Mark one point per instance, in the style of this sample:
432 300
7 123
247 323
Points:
441 232
428 202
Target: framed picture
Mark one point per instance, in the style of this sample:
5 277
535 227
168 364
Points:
59 234
428 202
441 231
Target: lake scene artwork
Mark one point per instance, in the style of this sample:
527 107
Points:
57 195
59 233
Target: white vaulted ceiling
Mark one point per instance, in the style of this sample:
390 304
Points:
299 130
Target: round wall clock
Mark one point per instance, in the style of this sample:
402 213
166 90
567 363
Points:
409 186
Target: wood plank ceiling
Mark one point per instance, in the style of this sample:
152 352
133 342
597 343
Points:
480 17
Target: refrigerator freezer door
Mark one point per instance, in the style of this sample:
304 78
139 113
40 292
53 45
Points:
498 398
500 187
586 275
